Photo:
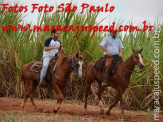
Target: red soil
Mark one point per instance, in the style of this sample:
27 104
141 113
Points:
69 111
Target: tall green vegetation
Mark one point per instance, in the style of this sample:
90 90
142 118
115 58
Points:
20 47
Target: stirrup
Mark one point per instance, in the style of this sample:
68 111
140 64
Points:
104 83
42 84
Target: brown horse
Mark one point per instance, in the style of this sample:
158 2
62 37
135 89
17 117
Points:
119 80
62 72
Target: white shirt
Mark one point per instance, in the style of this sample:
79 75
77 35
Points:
51 43
112 44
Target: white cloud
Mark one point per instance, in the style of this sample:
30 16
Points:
140 10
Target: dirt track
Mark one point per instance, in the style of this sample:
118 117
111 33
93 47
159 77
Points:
69 111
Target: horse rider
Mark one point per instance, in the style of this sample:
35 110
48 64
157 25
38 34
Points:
51 48
112 46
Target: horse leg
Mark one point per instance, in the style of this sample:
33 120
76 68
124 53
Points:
29 93
100 91
26 94
118 97
87 90
63 90
121 104
32 101
60 99
25 99
33 87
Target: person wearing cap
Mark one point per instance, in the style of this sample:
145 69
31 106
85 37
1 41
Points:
112 46
51 48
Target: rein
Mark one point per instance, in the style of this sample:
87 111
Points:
136 71
62 79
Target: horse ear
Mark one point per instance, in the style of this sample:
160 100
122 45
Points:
133 50
141 50
77 55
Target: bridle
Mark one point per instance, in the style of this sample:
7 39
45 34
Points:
136 71
74 67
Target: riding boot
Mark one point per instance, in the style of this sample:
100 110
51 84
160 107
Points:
106 81
42 83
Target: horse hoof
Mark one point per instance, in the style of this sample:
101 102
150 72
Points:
102 112
55 111
108 113
86 112
46 111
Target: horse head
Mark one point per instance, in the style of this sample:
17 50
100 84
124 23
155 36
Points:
137 56
77 63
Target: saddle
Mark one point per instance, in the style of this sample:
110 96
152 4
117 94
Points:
99 64
37 66
114 67
116 60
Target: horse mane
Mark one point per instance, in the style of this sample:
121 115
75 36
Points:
63 60
128 59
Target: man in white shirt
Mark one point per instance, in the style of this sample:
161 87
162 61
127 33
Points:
112 46
51 47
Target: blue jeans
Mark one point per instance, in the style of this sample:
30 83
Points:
46 61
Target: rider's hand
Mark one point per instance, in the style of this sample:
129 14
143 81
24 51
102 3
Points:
62 50
109 54
120 54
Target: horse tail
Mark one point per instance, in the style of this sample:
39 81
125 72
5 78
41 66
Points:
23 87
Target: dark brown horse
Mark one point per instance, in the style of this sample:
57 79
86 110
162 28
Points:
119 80
62 72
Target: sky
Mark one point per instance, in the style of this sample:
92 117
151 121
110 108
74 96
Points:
128 10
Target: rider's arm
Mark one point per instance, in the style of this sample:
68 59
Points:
61 49
120 48
50 48
46 45
103 46
120 52
107 51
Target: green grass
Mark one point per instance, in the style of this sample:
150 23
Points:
13 116
76 119
149 115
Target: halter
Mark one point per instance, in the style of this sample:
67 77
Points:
74 67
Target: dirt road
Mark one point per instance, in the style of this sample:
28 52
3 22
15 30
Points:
70 111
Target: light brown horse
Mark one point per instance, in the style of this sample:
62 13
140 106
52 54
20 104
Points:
62 72
119 80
